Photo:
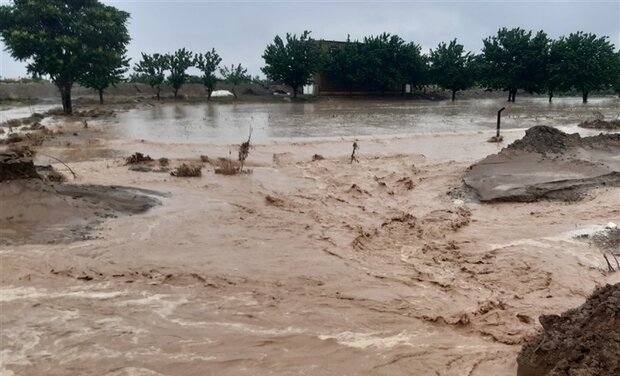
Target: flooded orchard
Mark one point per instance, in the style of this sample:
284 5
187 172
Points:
334 118
307 263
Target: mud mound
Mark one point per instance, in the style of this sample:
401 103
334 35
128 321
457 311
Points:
544 139
14 166
546 164
584 341
601 124
36 212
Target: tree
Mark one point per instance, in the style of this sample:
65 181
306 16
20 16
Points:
587 63
178 64
292 63
452 68
415 66
344 64
208 63
383 61
152 70
234 75
62 38
617 74
554 80
513 60
108 69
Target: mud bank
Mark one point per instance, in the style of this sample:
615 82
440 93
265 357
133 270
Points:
34 211
583 341
547 164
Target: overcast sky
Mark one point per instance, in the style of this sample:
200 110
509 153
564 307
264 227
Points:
240 30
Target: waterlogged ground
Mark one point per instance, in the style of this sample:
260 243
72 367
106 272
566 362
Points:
226 123
301 267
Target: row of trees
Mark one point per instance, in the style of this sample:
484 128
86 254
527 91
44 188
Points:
512 60
85 42
152 70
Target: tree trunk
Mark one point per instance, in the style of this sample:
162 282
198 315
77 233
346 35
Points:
176 91
584 96
209 91
157 90
65 97
513 93
453 95
294 91
509 95
550 96
100 96
234 92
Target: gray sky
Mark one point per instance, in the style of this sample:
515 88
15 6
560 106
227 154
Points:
240 30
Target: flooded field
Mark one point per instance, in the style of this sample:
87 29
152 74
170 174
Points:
307 265
228 123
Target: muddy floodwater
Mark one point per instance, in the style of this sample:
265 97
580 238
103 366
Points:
307 264
226 123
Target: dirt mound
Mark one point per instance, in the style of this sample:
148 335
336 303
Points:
544 139
601 124
546 164
14 166
583 341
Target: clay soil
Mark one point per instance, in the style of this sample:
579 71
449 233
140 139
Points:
313 266
582 341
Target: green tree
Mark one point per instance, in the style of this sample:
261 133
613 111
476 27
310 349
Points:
178 63
208 63
383 61
513 60
151 69
292 63
415 66
451 67
587 63
108 69
344 64
617 74
234 75
62 38
554 79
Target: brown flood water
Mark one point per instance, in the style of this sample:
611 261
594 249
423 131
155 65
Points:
305 268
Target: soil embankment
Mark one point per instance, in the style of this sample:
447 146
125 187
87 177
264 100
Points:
34 211
547 164
583 341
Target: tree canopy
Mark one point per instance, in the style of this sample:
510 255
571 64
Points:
151 69
293 62
451 67
514 59
62 38
208 63
586 63
177 64
234 75
108 69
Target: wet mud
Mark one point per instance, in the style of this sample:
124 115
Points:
547 164
308 265
34 211
582 341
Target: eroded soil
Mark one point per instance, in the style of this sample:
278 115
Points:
318 267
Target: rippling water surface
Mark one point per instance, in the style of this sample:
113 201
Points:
217 122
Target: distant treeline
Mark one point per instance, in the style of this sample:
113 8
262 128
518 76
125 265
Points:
85 42
512 60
